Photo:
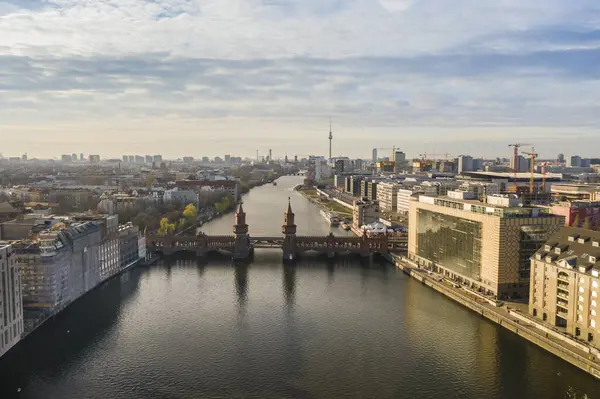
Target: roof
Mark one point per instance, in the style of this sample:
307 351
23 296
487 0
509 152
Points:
573 246
206 183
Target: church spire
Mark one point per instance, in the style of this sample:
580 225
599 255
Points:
240 226
289 227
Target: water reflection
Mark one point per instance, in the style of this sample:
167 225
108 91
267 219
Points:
241 284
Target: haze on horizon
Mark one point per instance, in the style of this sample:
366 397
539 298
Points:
209 77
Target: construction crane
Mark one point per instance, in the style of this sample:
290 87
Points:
533 155
516 159
424 156
388 148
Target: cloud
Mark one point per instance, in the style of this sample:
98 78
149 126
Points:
375 64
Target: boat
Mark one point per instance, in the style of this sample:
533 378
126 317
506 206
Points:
330 217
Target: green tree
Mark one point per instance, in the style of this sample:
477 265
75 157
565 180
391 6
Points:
224 204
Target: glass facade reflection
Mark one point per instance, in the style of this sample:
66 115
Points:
450 241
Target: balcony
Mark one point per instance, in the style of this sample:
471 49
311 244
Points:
562 312
562 296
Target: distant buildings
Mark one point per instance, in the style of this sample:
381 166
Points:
364 212
11 307
578 213
465 164
574 161
374 157
484 245
94 159
230 186
565 283
183 196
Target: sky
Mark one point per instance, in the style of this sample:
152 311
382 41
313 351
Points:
210 77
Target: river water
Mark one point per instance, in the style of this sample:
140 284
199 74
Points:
188 329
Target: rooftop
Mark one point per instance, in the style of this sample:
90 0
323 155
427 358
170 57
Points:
573 248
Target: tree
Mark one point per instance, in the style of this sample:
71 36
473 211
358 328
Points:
224 204
190 213
165 227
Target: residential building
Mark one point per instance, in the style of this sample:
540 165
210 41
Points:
403 198
364 212
465 163
59 266
131 159
364 189
355 185
94 159
372 190
66 158
565 283
148 159
8 212
387 195
230 186
72 200
140 160
486 246
188 160
11 305
180 195
125 159
157 159
109 248
128 245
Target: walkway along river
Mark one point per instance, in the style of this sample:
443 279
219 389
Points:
183 329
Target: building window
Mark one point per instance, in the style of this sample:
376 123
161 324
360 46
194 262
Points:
579 318
593 323
580 307
581 289
594 294
593 302
595 284
580 298
593 312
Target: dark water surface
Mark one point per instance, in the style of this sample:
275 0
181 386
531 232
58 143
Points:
184 329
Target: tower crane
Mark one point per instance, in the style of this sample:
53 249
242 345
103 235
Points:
516 159
533 155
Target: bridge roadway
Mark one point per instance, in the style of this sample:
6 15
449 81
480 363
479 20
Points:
202 244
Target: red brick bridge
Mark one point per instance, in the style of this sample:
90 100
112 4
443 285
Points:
241 244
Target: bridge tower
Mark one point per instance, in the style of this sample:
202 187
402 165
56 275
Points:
241 249
289 231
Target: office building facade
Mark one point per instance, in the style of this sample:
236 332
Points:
387 195
486 246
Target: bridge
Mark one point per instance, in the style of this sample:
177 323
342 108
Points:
241 244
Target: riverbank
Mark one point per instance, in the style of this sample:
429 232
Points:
338 210
582 356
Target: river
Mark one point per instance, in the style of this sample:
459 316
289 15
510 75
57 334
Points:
341 329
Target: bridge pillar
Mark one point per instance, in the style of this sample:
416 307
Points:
290 250
241 247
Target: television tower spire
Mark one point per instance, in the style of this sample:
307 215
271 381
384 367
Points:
330 138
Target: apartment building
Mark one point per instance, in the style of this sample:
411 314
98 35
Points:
565 283
387 195
11 306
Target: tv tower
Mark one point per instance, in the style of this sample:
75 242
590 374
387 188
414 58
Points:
330 138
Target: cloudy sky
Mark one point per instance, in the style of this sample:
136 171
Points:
209 77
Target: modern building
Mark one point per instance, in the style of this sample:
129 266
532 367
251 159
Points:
364 212
355 185
522 164
188 160
66 158
11 306
465 163
364 189
400 163
94 159
565 283
387 195
157 159
574 161
374 157
486 246
140 160
569 191
560 158
109 249
148 159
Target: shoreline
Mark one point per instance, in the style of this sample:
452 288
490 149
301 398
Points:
517 322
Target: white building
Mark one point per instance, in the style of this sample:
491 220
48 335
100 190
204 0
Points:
387 195
403 199
11 307
181 195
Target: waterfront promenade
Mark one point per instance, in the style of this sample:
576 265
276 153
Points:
511 317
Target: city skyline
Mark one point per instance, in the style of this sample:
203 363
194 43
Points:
470 78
